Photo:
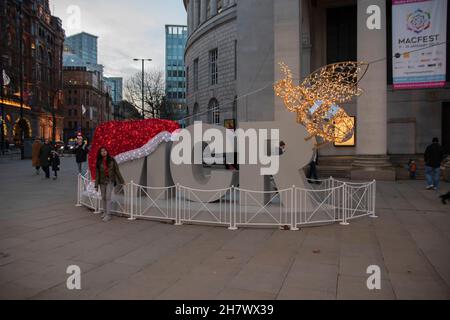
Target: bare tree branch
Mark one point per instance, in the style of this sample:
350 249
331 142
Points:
154 91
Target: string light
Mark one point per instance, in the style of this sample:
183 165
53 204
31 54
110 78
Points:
316 99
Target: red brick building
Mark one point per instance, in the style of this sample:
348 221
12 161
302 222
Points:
84 88
31 48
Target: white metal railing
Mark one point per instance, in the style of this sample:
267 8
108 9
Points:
327 201
152 203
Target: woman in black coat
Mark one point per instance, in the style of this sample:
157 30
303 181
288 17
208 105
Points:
44 157
55 162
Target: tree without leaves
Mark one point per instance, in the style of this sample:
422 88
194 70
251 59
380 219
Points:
154 91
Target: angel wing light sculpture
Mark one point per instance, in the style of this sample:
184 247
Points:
316 99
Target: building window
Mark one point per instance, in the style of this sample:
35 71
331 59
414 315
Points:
187 79
75 112
196 74
213 112
70 112
352 141
341 34
213 70
70 124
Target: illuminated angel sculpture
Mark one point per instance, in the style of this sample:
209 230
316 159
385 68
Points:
316 100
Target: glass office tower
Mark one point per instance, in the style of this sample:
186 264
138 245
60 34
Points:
176 37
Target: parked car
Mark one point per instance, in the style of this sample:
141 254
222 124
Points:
70 146
59 145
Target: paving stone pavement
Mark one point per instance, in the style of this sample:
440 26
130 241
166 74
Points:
42 233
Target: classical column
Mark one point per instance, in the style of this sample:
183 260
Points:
287 46
190 11
196 14
213 7
371 160
203 9
306 40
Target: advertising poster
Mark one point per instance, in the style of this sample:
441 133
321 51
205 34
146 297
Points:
419 33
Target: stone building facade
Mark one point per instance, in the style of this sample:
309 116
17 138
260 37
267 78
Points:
210 59
391 125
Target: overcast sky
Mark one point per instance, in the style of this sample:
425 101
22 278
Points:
126 29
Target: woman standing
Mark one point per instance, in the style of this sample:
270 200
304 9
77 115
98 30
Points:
107 176
35 150
55 162
44 157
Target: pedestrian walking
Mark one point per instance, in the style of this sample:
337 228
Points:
412 169
81 152
55 162
44 157
312 174
107 177
35 151
434 155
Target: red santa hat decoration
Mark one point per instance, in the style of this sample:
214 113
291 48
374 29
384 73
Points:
130 140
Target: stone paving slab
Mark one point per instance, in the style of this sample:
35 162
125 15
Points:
42 232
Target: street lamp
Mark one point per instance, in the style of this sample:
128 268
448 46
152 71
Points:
21 126
143 61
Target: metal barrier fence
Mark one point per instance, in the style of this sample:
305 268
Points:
327 201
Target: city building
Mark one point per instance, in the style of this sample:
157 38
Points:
116 85
176 37
87 101
234 48
31 46
124 110
86 89
210 59
84 45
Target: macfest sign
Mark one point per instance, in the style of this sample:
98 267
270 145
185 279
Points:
419 33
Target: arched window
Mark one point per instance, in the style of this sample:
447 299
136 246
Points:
213 112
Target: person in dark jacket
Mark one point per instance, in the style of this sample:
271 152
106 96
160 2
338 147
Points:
44 157
55 162
312 174
107 176
434 155
81 152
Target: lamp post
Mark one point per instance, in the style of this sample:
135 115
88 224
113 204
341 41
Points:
21 126
56 94
2 26
143 61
